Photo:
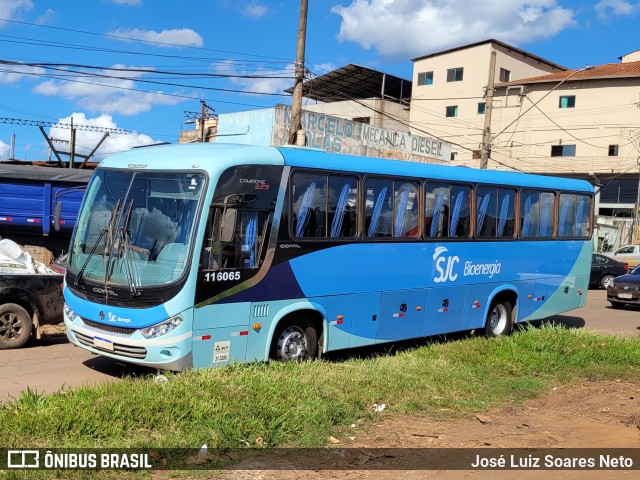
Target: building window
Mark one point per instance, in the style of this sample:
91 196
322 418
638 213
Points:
563 150
613 150
454 74
567 101
452 111
505 75
454 155
362 119
425 78
482 106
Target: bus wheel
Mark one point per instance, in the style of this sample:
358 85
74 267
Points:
499 319
294 341
15 326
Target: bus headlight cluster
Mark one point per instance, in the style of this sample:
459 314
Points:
70 314
162 328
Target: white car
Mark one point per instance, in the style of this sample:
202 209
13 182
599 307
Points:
629 254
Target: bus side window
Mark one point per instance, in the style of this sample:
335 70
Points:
343 207
309 212
437 210
461 212
567 215
506 214
378 207
405 220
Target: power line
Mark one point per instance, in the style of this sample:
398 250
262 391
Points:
150 42
140 80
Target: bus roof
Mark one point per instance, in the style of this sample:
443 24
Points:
301 157
214 156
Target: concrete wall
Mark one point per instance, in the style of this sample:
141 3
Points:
333 134
383 114
253 127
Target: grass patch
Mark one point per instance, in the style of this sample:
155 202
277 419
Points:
299 405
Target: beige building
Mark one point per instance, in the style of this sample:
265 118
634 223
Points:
545 119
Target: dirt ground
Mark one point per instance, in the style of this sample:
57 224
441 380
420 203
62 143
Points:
594 415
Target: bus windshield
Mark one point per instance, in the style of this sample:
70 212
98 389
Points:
135 228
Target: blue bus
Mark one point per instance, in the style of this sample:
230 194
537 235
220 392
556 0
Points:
188 256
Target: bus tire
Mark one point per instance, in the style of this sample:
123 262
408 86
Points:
15 326
499 319
294 340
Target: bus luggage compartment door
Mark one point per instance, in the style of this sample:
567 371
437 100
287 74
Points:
443 312
219 346
401 315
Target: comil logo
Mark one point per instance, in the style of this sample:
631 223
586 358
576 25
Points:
444 265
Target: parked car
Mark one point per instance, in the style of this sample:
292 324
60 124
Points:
625 289
629 254
604 269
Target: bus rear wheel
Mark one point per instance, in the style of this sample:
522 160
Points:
499 320
294 341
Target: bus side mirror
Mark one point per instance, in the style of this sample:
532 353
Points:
56 216
228 225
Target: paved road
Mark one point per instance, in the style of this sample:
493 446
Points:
53 364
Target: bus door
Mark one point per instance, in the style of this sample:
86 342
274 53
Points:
443 312
401 315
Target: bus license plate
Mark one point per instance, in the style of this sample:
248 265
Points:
625 295
103 343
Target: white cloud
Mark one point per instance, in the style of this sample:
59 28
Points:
86 141
255 10
275 82
4 150
47 17
15 73
177 37
608 8
106 95
11 9
127 2
403 29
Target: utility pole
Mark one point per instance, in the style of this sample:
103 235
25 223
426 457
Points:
72 146
486 131
204 111
296 138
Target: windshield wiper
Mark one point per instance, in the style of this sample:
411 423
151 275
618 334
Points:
107 229
124 251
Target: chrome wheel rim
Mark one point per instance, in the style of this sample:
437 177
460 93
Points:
498 319
292 344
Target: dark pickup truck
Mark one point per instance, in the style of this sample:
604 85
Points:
27 302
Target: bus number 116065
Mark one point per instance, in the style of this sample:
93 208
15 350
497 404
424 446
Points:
221 276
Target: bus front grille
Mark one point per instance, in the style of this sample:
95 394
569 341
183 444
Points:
108 328
118 348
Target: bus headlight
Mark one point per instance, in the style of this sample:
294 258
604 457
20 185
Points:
162 328
70 314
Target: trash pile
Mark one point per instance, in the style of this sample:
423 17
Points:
15 260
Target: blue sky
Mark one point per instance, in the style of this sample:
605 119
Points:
139 64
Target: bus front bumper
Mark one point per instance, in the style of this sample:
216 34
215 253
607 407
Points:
170 352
